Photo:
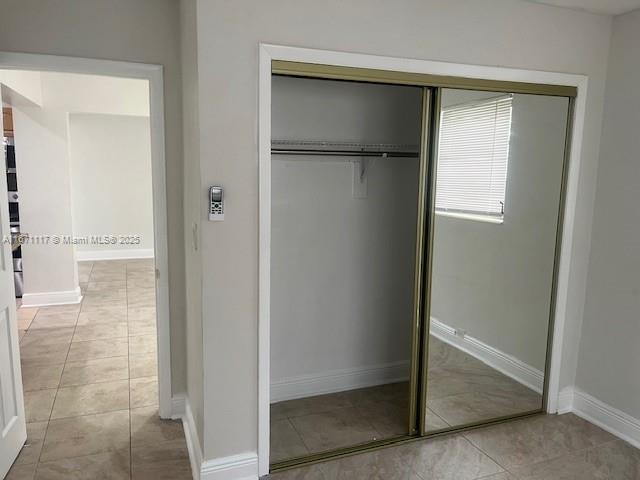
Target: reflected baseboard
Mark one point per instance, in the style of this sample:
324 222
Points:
501 361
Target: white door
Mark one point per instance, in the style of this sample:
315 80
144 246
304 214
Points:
13 429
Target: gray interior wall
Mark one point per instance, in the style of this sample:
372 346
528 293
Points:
494 280
342 267
609 352
492 32
137 31
192 198
110 174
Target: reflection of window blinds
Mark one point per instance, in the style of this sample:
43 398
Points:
473 155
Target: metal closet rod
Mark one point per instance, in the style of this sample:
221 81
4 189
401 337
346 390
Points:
342 153
342 149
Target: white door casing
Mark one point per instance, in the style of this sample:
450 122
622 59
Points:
13 428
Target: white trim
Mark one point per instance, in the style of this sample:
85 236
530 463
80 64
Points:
183 411
565 400
264 258
154 74
178 406
235 467
44 299
338 381
503 362
128 254
567 259
567 256
614 421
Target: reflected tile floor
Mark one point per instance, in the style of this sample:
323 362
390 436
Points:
461 390
544 447
91 388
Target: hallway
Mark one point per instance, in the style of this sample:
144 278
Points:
90 381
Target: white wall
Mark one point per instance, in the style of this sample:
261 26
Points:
75 93
492 32
609 352
494 280
111 182
342 267
95 93
142 31
42 162
27 85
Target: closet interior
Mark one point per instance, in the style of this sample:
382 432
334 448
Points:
414 232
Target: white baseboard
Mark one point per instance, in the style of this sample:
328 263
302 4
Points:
44 299
182 409
124 254
501 361
178 407
565 401
338 381
235 467
614 421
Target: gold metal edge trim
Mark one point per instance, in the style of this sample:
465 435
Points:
434 133
558 248
415 414
336 72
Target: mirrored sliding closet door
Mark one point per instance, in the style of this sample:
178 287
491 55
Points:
346 182
415 232
498 184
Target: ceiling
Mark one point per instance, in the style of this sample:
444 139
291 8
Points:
607 7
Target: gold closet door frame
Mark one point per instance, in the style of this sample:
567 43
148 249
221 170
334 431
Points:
430 122
420 308
432 164
335 72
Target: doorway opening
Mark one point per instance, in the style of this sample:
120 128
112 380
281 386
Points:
84 147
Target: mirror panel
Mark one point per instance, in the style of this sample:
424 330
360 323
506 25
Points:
498 193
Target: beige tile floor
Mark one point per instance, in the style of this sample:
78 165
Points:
461 390
544 447
90 381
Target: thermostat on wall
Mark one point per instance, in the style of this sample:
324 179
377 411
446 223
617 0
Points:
216 204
